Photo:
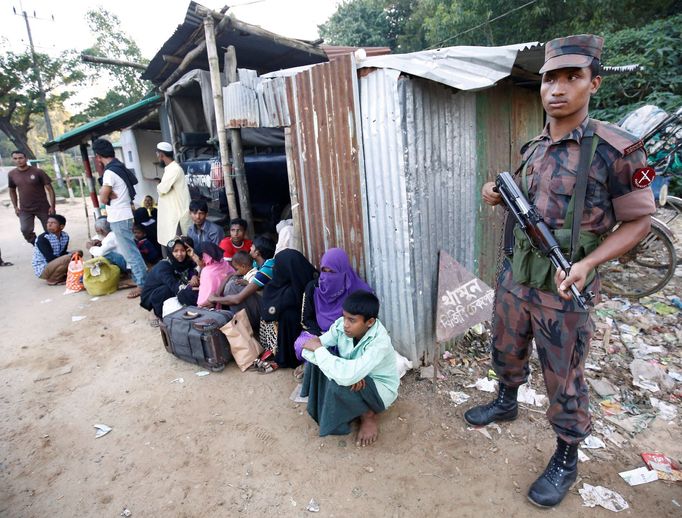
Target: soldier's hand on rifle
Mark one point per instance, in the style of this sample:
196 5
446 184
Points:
490 196
578 276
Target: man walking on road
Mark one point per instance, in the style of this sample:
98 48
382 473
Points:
34 188
173 209
117 193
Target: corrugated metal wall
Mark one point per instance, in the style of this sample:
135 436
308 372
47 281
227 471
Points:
325 160
507 117
420 162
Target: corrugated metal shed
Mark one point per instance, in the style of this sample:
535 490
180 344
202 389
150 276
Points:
326 159
420 158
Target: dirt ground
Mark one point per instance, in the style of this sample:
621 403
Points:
232 443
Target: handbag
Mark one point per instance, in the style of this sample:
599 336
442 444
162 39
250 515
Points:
244 346
74 274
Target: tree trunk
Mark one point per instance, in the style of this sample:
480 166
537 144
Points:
18 138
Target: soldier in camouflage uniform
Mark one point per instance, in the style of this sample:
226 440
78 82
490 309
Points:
617 191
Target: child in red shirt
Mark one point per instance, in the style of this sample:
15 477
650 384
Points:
236 242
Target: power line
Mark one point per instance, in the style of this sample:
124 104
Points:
484 23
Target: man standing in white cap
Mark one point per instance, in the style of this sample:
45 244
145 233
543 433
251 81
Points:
173 205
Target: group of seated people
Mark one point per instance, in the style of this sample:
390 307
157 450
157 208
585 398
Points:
324 325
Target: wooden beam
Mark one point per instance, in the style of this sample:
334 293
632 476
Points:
172 59
217 87
110 61
230 70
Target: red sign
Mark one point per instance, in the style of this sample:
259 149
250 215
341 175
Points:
642 178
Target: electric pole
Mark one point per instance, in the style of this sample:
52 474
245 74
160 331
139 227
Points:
43 99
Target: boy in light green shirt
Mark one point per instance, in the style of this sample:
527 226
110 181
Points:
361 381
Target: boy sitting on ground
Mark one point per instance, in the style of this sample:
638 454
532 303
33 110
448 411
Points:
149 251
361 381
50 255
236 242
242 264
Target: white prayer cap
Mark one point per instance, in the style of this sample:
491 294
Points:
165 147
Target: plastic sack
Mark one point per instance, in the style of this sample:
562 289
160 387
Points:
74 274
100 277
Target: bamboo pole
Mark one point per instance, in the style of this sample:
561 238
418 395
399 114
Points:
230 70
90 179
110 61
217 87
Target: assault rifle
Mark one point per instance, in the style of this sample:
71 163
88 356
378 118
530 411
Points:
537 231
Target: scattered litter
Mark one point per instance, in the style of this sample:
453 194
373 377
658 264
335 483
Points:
126 512
666 468
603 387
201 374
313 506
459 397
426 372
592 367
483 431
677 376
178 380
296 395
403 364
676 503
484 384
676 301
611 407
95 299
649 375
530 396
582 456
660 307
592 442
492 375
45 301
369 469
447 355
638 476
666 411
102 430
599 495
77 318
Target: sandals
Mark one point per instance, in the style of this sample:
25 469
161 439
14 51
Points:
6 263
267 368
155 322
299 372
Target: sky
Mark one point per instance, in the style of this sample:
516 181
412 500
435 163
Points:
149 22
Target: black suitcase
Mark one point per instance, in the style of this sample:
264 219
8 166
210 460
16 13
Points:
193 334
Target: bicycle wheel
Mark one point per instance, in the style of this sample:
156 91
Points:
644 270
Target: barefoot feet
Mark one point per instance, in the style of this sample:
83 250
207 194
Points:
369 429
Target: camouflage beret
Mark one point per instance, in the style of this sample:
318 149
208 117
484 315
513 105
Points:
572 51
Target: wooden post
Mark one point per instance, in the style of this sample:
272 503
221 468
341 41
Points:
91 179
237 149
296 213
217 87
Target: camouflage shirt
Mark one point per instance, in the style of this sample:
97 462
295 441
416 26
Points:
611 194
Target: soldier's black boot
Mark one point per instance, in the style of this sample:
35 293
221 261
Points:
504 408
559 475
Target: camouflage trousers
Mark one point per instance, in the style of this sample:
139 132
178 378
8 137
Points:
562 340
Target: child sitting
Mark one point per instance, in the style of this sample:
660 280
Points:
235 242
150 251
242 263
50 255
361 381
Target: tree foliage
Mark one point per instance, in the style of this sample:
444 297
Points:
20 96
111 42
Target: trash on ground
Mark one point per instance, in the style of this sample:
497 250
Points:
482 431
484 384
603 387
666 468
426 372
638 476
178 380
582 456
77 318
632 424
403 364
666 411
94 299
676 301
459 397
649 375
530 396
126 512
313 506
201 374
592 442
45 301
102 430
598 495
296 395
611 407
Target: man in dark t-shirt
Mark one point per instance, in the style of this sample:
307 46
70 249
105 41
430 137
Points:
34 187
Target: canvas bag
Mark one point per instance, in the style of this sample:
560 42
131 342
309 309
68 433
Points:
244 346
100 276
74 274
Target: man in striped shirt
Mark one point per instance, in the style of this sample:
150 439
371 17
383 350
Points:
50 255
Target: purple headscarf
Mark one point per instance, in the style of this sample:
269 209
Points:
335 286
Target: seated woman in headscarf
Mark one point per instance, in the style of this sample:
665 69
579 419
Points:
146 217
323 298
213 272
175 276
281 310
